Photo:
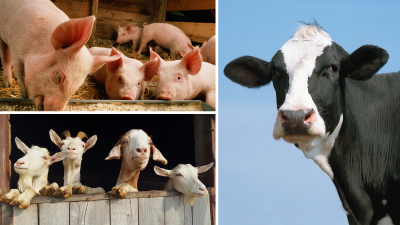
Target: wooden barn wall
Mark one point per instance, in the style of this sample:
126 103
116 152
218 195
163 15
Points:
136 12
144 208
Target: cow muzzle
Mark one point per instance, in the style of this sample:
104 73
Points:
296 122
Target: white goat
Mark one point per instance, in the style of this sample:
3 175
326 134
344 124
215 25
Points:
33 170
74 149
135 147
183 178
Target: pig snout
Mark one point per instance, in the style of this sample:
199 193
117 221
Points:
127 95
165 96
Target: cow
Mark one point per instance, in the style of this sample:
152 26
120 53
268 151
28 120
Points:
333 107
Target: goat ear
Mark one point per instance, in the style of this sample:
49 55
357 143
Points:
162 172
90 142
57 157
157 156
202 169
55 138
21 145
115 153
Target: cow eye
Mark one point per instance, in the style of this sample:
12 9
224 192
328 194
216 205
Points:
334 68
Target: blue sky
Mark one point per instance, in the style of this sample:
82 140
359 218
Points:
261 180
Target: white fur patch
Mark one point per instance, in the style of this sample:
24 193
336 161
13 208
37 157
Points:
320 147
138 139
385 221
300 54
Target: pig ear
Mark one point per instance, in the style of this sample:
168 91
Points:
128 28
21 145
162 172
191 46
55 138
72 34
100 60
118 26
202 169
57 157
115 153
192 61
90 143
157 156
115 65
144 24
150 68
153 55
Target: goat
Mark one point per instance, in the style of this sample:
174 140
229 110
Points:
74 149
183 178
135 147
33 169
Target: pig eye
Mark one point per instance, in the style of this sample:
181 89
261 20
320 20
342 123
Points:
179 78
119 79
138 83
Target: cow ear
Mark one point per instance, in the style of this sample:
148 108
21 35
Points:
157 156
73 34
202 169
364 62
115 153
248 71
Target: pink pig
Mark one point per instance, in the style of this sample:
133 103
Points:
185 79
47 50
208 50
167 36
123 78
129 33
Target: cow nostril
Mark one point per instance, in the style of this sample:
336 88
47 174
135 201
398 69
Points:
309 113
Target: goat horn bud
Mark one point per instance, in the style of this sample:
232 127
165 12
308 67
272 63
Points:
65 134
82 135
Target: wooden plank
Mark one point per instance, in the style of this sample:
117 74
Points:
197 32
201 211
144 8
95 8
90 213
50 213
75 9
26 216
151 211
188 214
6 214
174 210
95 197
162 12
124 211
183 5
211 193
4 153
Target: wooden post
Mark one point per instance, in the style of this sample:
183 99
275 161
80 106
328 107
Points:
95 9
162 11
4 153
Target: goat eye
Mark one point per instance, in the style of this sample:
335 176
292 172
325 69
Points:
62 144
83 146
119 79
179 175
44 157
124 142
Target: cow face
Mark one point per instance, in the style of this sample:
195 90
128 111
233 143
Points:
307 73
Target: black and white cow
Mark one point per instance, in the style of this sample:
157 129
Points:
333 108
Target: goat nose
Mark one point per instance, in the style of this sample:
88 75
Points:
296 122
20 162
71 148
202 189
141 150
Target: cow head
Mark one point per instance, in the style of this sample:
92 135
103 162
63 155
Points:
307 73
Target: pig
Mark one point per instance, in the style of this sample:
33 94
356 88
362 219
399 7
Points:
129 33
188 78
123 78
167 36
47 51
207 50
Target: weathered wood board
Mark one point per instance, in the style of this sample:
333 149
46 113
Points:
184 5
197 32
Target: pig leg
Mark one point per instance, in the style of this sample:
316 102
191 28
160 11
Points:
6 60
135 45
19 73
210 98
7 198
143 42
24 199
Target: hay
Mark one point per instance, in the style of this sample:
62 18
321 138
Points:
90 89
